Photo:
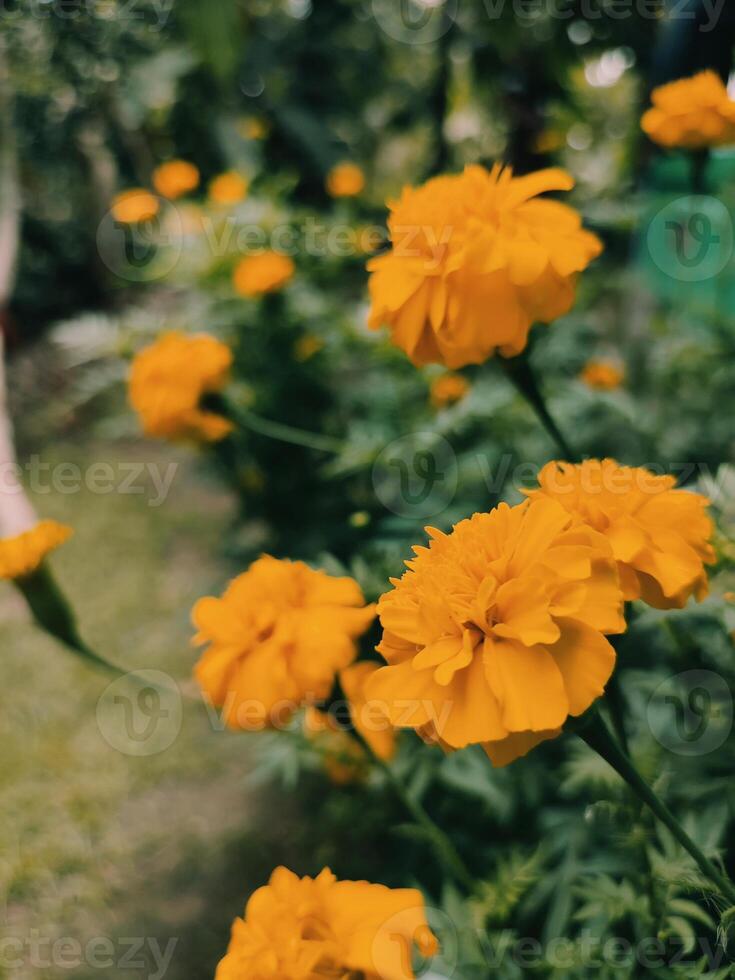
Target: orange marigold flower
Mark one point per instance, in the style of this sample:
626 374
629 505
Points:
602 375
448 389
494 635
345 180
175 178
660 536
228 188
692 113
132 206
264 273
475 260
311 928
276 639
167 382
22 554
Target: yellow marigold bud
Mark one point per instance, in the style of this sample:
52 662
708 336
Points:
345 180
276 639
22 554
228 188
307 928
342 756
307 346
447 389
168 380
252 128
495 634
475 260
175 178
267 272
549 140
132 206
602 375
692 113
660 536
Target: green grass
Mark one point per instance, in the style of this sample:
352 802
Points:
95 842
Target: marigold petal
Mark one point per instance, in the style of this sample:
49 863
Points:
528 685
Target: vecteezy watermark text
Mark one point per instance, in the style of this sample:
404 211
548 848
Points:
99 478
153 12
425 21
144 954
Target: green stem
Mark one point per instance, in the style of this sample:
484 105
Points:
519 370
445 850
280 431
595 733
616 704
53 613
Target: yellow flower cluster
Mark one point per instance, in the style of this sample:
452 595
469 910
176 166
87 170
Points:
276 640
168 380
228 188
692 113
602 375
134 206
345 180
447 389
175 178
476 258
267 272
22 554
324 929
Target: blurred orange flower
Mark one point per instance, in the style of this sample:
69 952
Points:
475 260
495 634
367 716
167 381
276 639
447 389
692 113
342 756
228 188
345 180
311 928
602 375
22 554
175 178
134 205
660 536
264 273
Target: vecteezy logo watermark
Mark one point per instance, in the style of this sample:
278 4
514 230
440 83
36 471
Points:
154 13
140 251
98 478
141 953
415 21
425 21
691 238
691 714
416 476
140 714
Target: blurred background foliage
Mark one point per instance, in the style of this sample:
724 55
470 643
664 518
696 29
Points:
95 95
